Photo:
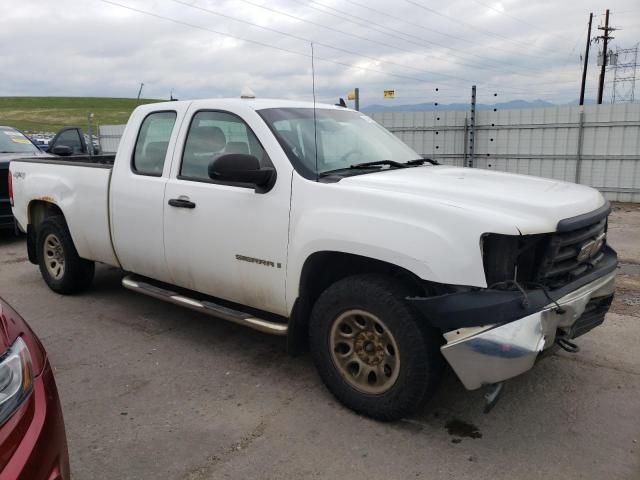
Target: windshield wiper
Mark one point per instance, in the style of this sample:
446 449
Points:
422 161
379 163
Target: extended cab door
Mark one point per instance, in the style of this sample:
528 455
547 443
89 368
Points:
137 189
223 239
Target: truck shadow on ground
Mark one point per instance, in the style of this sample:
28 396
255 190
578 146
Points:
454 409
8 237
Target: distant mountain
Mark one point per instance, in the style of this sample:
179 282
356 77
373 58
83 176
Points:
429 107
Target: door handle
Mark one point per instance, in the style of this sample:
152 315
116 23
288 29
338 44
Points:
181 203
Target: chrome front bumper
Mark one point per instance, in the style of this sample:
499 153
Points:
493 353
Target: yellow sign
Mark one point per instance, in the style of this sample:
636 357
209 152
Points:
351 96
389 94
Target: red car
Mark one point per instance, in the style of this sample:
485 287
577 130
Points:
33 443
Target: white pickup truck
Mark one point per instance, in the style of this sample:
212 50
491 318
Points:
318 224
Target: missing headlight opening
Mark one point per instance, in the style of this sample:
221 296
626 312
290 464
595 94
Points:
544 260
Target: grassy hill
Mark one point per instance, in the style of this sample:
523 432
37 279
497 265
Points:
49 114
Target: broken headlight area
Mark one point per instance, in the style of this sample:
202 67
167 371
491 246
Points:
512 258
550 260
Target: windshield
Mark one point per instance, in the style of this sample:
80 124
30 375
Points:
344 138
12 141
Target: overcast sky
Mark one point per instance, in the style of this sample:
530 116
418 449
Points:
516 48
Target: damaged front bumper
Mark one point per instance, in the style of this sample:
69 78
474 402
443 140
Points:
494 343
491 354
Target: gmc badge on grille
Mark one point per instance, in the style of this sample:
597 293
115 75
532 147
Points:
592 247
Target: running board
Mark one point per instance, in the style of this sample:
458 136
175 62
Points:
241 318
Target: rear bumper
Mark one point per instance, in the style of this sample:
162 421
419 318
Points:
482 355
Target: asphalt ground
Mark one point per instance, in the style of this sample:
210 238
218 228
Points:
153 391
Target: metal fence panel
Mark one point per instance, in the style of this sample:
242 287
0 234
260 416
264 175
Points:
109 137
601 145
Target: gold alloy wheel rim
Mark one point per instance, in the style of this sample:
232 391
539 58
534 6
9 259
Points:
364 351
54 256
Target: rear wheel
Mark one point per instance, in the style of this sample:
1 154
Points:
60 265
371 350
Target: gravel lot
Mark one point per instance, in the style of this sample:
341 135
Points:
153 391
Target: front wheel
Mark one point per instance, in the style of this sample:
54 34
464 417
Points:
60 265
371 350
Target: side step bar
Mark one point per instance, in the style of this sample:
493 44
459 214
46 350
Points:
241 318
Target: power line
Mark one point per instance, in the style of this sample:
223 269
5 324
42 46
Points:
301 19
257 42
326 45
503 12
324 59
364 22
279 12
469 25
407 22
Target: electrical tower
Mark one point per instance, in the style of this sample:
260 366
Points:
625 71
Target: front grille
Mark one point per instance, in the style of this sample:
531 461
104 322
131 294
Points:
592 317
566 256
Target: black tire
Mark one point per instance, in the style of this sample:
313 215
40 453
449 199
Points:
76 274
420 361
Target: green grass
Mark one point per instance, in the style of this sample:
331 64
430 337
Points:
49 114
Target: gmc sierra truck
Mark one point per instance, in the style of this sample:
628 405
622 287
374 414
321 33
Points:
316 223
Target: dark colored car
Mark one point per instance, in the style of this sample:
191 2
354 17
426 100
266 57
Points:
33 443
71 141
13 144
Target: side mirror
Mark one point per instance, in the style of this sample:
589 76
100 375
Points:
62 150
241 168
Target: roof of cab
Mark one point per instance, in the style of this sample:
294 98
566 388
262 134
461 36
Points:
253 103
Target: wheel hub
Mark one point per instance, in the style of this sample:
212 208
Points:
364 351
369 348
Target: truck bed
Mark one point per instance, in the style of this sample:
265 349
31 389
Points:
79 187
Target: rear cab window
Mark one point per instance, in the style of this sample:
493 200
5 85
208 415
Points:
153 141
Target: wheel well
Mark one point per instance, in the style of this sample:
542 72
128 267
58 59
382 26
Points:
39 211
321 270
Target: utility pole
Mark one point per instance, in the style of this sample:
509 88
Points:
586 61
139 93
606 39
356 95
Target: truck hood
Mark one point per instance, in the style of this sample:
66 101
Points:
532 204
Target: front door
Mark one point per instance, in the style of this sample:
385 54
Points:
224 239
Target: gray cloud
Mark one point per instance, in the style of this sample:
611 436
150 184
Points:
81 48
